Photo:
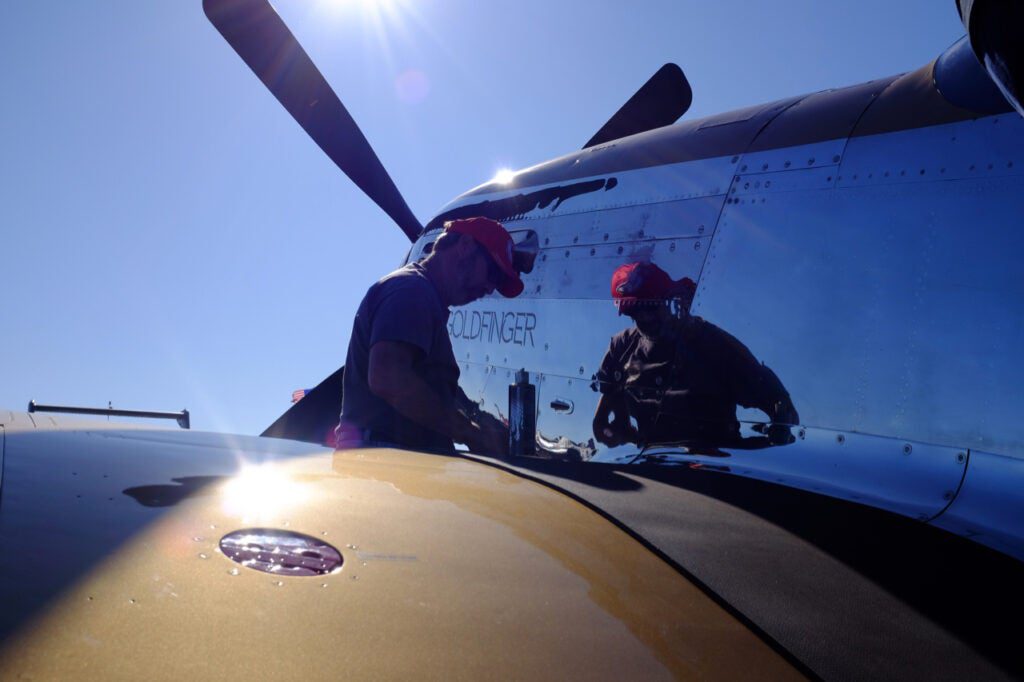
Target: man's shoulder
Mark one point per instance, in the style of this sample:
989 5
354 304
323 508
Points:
624 340
410 275
410 280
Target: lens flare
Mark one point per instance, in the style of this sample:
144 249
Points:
261 493
504 176
412 86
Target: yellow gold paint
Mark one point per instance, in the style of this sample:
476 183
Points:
452 569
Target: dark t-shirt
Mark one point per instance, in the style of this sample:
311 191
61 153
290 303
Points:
687 382
405 307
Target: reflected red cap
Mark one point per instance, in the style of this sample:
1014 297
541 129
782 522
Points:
496 240
641 282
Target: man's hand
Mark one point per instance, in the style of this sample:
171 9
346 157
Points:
611 424
393 378
615 434
486 436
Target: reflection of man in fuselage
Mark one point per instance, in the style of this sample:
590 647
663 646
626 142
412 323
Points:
673 377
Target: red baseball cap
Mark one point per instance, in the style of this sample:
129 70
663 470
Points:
496 240
640 282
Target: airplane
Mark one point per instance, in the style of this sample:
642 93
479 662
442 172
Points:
878 534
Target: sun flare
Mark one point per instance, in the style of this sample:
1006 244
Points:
504 176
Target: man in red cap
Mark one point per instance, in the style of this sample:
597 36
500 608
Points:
401 383
677 377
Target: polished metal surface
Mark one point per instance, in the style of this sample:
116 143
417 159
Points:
989 506
872 275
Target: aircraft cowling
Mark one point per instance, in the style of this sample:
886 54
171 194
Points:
994 30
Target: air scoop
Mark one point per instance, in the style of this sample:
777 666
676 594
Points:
281 552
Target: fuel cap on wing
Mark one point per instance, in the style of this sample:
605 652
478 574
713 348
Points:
281 552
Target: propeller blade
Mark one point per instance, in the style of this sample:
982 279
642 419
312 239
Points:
263 41
659 102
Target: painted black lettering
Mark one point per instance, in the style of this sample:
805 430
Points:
531 324
493 317
508 330
519 335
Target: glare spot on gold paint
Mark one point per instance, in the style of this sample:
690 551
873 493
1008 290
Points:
261 493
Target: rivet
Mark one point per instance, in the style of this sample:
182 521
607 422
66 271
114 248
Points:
1009 164
922 172
735 159
547 240
538 291
576 239
948 495
787 164
672 246
696 246
902 173
543 256
836 158
990 166
743 168
581 369
907 448
960 457
810 162
828 179
620 249
767 184
840 439
764 166
593 251
641 233
546 346
700 230
746 185
802 433
567 253
606 237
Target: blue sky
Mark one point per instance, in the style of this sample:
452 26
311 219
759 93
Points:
171 238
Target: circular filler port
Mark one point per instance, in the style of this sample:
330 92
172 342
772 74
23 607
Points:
281 552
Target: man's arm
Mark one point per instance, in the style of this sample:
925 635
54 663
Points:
392 377
755 384
619 430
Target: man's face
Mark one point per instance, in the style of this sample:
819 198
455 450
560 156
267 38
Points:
478 276
649 319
